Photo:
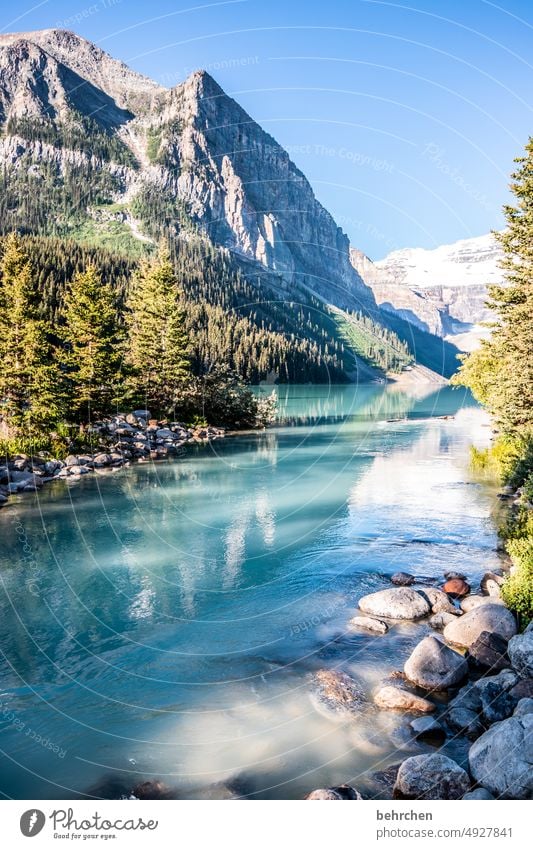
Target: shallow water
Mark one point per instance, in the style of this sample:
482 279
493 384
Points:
163 621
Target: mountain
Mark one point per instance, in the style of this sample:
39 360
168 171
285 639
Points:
94 151
443 291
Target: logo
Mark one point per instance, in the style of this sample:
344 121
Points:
32 822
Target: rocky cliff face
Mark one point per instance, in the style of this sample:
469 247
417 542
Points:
443 291
194 142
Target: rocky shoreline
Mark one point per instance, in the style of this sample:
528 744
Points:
477 662
120 440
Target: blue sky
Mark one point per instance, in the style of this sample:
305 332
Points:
405 116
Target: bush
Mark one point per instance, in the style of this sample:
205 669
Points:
221 398
517 591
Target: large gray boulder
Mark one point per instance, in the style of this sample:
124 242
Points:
440 601
471 601
431 777
520 651
397 603
487 617
434 666
502 758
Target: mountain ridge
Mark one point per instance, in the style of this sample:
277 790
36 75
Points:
93 141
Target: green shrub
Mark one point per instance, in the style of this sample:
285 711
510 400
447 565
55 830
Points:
517 591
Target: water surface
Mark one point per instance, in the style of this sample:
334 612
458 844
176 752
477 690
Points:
163 621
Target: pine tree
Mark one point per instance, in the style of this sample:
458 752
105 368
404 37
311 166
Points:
157 343
500 372
93 354
30 379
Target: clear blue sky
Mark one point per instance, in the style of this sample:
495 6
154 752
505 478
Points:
405 116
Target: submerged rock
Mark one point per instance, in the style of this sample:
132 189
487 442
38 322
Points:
329 794
487 617
402 579
338 693
397 603
502 758
152 790
397 698
434 666
366 623
431 777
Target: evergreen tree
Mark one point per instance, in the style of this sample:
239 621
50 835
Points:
157 342
500 372
93 354
30 380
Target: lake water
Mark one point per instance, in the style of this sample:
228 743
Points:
163 621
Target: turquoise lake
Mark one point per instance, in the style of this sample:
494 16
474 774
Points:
163 621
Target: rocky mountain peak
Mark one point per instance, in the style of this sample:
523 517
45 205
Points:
129 90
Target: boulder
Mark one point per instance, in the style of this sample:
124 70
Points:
402 579
338 693
141 414
330 794
497 702
428 729
397 698
101 460
479 794
487 617
491 583
523 707
524 689
397 603
456 587
440 602
464 721
431 777
521 653
471 601
439 620
502 758
449 576
434 666
366 623
489 652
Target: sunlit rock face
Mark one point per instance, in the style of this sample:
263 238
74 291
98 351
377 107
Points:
194 142
443 291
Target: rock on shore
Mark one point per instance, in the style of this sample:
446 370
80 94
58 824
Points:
431 777
397 603
494 618
434 666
